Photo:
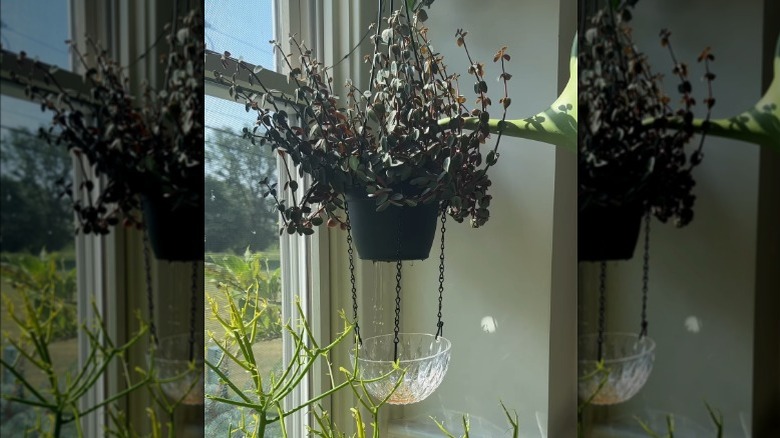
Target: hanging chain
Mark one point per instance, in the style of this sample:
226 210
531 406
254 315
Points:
398 266
645 276
602 307
351 253
440 323
149 297
193 307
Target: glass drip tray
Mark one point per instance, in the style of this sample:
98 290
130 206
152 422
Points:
424 358
628 361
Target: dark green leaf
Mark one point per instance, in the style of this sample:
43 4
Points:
354 162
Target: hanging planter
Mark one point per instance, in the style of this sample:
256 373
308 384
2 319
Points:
131 142
178 359
393 153
633 146
401 138
613 367
422 359
395 233
608 232
628 360
175 231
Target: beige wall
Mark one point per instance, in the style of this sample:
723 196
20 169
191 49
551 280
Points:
502 271
706 271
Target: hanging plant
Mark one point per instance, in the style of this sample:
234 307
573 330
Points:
384 142
631 158
149 148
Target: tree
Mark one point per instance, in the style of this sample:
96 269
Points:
34 215
237 214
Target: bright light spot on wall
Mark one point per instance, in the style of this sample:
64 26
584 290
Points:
693 324
489 324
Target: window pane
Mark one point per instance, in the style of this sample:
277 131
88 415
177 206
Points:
242 257
37 255
39 28
243 31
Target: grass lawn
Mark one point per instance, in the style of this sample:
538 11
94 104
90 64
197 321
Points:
64 352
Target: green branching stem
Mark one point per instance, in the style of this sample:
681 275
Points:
62 402
269 407
603 371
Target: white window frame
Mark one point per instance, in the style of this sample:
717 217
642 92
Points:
301 257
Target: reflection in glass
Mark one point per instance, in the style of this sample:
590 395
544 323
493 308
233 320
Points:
37 256
39 28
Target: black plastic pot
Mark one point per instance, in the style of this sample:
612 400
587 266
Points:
176 233
608 232
376 233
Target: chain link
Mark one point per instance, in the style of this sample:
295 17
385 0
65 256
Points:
398 266
440 323
149 297
351 253
602 307
193 307
645 276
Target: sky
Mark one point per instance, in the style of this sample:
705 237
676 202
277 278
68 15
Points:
38 27
242 28
244 32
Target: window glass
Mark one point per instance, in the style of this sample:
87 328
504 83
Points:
242 256
38 28
37 260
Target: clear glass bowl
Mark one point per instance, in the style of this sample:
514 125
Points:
173 367
424 358
627 359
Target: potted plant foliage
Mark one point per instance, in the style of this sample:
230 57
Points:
136 152
380 155
633 159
